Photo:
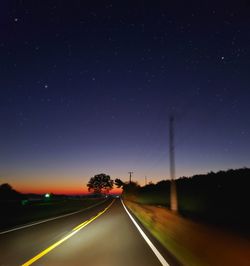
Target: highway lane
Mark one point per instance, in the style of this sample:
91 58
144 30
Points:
109 239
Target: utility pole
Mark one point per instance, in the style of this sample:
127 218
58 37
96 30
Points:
146 181
173 191
130 176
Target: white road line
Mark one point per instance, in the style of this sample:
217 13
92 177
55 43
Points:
47 220
151 245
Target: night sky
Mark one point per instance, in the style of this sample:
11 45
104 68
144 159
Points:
88 88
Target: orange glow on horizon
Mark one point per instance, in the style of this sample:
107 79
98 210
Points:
59 190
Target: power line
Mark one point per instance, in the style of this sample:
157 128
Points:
130 176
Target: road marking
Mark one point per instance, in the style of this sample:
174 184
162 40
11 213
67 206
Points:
151 245
74 231
50 219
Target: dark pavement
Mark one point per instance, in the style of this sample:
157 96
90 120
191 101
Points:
111 239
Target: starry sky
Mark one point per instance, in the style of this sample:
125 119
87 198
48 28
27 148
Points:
87 88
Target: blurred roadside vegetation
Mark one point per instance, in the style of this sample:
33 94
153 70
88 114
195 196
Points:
220 198
190 242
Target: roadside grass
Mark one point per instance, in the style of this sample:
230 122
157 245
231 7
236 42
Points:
13 214
186 203
192 243
153 198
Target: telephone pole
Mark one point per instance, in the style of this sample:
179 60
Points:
173 191
130 176
146 181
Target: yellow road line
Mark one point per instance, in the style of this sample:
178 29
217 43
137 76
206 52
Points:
74 231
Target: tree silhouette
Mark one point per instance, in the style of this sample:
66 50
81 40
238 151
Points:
119 183
101 183
8 193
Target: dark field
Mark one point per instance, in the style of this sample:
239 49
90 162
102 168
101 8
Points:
15 213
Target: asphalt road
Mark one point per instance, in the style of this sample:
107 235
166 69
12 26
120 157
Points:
109 237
